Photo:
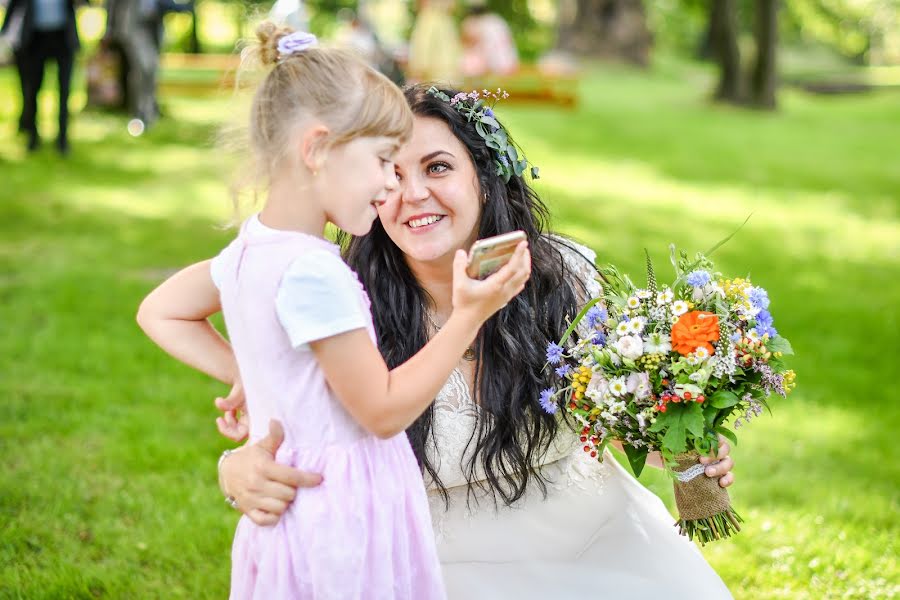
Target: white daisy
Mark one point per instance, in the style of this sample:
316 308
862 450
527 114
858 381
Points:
692 360
634 303
752 335
643 294
679 308
636 325
617 386
701 352
622 328
664 296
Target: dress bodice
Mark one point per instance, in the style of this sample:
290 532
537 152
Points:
456 414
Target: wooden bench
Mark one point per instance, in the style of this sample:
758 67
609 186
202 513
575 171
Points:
197 74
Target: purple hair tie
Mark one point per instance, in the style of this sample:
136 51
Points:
295 42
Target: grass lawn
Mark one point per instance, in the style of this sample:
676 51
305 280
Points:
107 478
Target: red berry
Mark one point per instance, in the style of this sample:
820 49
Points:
687 395
584 438
587 448
593 454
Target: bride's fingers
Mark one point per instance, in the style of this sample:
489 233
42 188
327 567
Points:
723 467
727 480
261 517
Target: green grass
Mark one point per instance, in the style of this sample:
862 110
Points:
107 483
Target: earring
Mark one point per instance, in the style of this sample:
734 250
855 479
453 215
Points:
486 198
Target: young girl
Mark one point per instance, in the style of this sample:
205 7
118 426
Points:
325 128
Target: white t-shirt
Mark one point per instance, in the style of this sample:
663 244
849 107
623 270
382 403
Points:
318 297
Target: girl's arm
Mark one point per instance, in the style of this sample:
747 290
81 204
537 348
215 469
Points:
176 316
387 402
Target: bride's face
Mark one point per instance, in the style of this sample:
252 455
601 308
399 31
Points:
436 207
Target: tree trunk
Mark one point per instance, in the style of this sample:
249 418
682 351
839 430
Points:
723 28
764 78
194 47
615 29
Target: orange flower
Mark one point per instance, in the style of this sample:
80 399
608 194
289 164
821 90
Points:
693 330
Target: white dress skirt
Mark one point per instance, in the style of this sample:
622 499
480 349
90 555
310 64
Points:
597 534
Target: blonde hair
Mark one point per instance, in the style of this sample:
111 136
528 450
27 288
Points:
334 86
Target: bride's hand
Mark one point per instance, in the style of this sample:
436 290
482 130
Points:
722 470
262 488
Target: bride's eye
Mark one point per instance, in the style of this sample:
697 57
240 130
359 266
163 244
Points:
437 168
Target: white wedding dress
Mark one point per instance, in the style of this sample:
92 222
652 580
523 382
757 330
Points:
597 534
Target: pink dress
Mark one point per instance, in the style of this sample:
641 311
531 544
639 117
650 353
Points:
365 532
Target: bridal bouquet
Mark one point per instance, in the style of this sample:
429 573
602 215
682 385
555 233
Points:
669 368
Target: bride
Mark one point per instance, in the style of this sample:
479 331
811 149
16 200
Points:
519 510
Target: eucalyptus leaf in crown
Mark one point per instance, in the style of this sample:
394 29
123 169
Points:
478 108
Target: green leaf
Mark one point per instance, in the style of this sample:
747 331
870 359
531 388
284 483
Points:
693 419
637 458
511 152
728 237
490 121
728 434
674 439
723 399
519 167
779 344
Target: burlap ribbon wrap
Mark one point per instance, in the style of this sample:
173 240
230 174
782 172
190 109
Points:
704 508
701 496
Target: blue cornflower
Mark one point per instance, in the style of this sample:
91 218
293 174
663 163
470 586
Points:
599 339
504 161
698 278
759 298
596 316
563 370
488 112
547 402
764 322
554 353
735 337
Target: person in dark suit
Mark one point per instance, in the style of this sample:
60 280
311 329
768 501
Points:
48 30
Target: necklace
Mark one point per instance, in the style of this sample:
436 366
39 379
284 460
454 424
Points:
468 355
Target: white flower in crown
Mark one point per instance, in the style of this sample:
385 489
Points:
295 42
643 294
634 302
622 328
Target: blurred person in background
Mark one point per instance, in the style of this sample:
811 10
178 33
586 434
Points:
46 29
135 28
488 46
434 47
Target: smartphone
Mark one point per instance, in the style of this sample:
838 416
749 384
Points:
488 255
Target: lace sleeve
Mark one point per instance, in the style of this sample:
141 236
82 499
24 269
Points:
581 261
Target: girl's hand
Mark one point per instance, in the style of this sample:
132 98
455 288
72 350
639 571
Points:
484 298
262 488
722 470
234 423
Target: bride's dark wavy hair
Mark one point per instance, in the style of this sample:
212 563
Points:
514 432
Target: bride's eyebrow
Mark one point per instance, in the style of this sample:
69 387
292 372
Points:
432 155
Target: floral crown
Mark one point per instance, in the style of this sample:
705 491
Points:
478 108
